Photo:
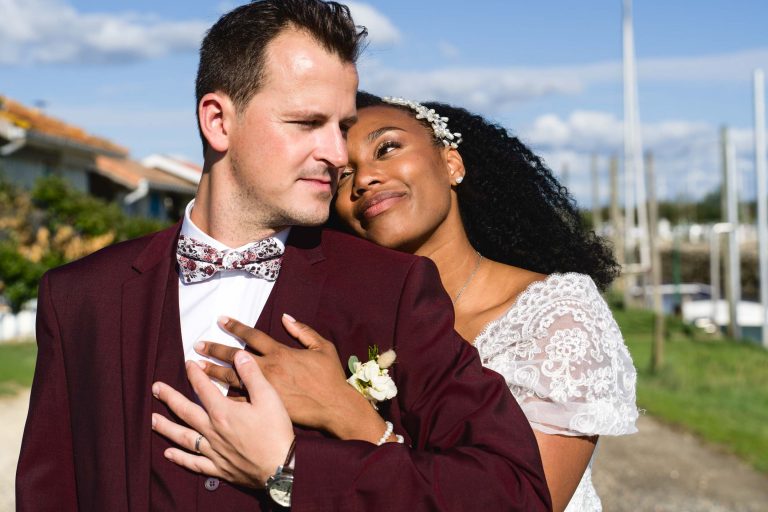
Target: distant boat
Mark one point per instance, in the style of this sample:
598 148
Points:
673 295
693 301
748 313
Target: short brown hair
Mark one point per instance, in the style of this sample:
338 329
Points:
232 54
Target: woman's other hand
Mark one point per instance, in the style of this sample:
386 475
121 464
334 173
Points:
311 382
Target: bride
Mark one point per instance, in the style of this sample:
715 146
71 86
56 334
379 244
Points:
524 275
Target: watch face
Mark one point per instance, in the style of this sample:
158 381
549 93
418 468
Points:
280 490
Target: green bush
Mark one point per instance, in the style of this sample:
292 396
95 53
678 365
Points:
89 215
20 275
52 204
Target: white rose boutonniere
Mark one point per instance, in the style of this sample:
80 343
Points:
372 378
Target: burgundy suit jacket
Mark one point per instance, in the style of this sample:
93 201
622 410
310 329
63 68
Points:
87 437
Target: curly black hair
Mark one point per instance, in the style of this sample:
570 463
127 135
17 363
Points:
513 209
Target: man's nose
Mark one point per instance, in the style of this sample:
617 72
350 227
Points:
333 148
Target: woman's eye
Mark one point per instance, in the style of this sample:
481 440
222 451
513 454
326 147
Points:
346 172
386 147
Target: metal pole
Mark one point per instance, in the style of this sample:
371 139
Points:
762 197
724 162
631 199
734 268
629 126
637 153
724 254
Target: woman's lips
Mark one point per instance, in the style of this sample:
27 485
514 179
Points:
379 203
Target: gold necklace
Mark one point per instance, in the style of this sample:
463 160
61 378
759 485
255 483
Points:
469 279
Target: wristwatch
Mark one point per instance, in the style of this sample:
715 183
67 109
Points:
280 484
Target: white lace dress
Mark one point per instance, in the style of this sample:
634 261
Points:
564 359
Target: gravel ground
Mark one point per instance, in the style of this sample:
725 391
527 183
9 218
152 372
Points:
660 469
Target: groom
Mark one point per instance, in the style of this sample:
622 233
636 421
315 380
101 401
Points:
276 91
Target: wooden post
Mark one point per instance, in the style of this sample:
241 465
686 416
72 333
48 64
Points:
617 222
730 212
734 250
657 350
596 204
714 273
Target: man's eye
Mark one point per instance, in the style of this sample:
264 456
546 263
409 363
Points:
308 123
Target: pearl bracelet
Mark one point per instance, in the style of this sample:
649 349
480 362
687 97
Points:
387 433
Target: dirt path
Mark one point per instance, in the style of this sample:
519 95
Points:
658 470
13 413
662 469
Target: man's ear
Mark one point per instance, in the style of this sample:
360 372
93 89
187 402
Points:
216 112
455 165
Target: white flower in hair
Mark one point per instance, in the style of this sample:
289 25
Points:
439 123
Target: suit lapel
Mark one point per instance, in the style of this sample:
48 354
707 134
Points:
298 288
143 299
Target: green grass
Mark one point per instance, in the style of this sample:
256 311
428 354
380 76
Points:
17 365
717 389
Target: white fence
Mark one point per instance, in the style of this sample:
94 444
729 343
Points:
18 326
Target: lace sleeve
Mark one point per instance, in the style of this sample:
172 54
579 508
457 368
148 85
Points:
564 359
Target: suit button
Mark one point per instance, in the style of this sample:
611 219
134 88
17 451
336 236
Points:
212 484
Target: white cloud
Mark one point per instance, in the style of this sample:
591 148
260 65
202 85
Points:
52 31
583 131
473 88
380 29
687 156
590 131
500 89
729 67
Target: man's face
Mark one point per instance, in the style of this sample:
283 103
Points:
286 145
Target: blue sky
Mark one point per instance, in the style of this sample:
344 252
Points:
549 71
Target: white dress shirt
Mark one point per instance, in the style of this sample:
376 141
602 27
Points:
233 293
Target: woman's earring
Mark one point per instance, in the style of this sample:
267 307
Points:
459 179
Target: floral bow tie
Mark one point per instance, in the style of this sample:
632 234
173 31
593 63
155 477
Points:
199 261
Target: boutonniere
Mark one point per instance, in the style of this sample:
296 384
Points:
372 378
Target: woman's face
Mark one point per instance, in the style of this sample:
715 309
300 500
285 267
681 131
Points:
396 190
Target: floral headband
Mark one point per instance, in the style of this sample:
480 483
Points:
439 124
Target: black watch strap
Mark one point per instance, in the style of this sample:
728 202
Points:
289 457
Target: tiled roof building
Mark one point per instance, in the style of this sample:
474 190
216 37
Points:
34 144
